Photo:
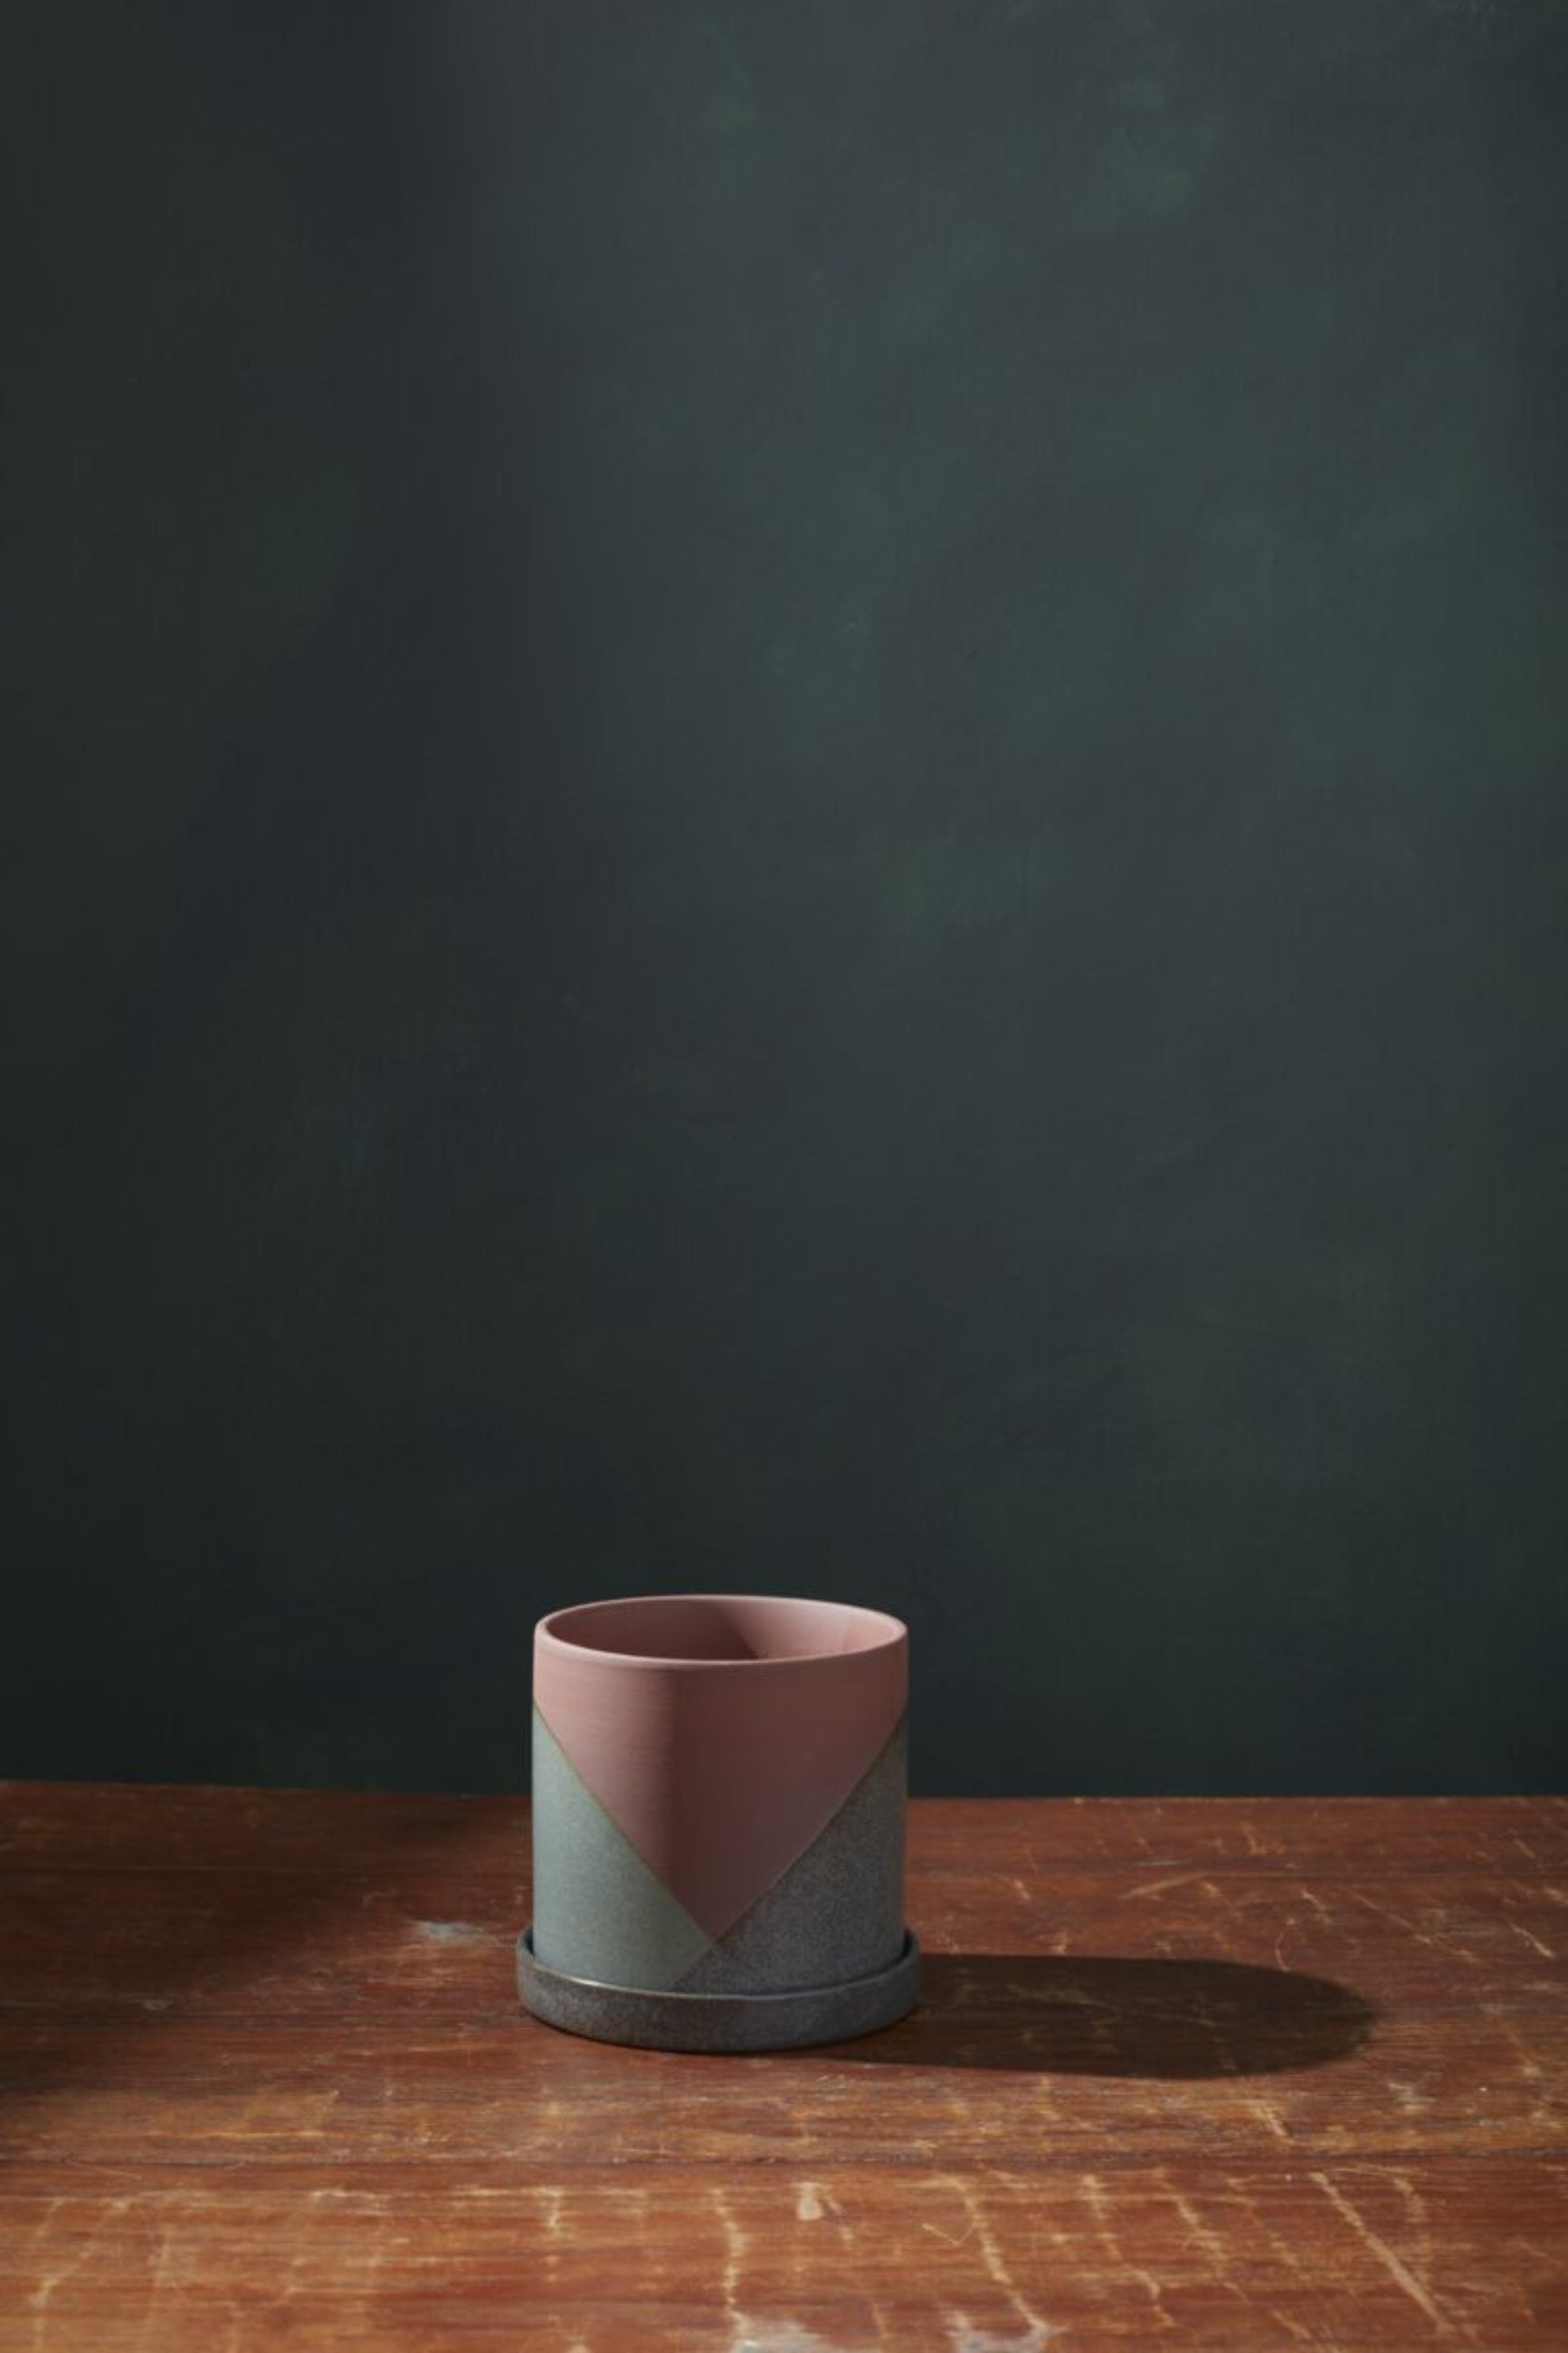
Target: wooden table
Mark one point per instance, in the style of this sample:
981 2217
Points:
1234 2074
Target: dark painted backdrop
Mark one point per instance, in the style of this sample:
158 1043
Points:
786 809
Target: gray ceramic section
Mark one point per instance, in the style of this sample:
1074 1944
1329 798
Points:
839 1911
598 1910
719 2022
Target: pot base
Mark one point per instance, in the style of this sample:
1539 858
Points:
718 2022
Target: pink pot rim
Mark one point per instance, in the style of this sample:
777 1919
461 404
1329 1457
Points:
883 1631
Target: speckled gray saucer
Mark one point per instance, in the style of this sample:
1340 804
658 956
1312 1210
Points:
719 2022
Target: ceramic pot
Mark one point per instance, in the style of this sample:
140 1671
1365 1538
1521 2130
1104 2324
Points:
719 1810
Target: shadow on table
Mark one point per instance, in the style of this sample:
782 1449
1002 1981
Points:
1057 2015
183 1929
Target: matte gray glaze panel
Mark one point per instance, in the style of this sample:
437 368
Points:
599 1911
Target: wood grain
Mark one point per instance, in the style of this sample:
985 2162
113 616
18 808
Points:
1223 2073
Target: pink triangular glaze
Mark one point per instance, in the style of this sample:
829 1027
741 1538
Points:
685 1756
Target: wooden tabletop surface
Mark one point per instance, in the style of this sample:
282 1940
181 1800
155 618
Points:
1222 2073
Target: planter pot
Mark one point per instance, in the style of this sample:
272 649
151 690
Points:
719 1802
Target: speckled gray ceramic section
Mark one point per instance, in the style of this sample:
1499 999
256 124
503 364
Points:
839 1911
719 2022
598 1910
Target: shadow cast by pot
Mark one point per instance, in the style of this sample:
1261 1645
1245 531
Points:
1058 2015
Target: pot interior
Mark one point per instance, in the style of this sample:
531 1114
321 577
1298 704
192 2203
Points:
696 1628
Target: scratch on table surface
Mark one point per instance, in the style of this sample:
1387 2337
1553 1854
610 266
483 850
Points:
992 2254
1285 2253
1263 2109
1294 2328
160 2286
1099 2207
285 2289
734 2256
1525 2047
966 2338
808 2203
40 2298
1400 2272
1545 1951
1199 2232
1415 2206
781 2337
1433 1939
1163 1886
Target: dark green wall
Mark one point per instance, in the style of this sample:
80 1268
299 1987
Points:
787 810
